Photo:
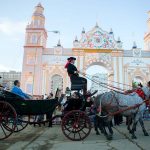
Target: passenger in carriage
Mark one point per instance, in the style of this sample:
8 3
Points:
73 103
50 96
16 90
88 104
74 76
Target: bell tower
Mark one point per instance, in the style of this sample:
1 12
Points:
147 35
36 34
35 43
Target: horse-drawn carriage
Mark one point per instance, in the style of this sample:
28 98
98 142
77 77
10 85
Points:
16 113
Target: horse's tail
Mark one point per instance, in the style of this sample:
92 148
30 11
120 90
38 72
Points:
98 104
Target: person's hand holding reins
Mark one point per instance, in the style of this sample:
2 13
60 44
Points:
76 72
84 74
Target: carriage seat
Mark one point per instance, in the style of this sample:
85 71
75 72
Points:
76 86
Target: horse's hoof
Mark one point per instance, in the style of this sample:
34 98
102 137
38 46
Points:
102 131
134 137
109 137
130 131
146 134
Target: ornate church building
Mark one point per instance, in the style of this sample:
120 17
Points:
98 54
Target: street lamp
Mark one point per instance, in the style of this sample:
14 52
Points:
55 32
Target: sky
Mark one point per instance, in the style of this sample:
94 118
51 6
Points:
127 19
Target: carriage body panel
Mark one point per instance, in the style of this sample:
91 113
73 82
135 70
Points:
29 107
33 107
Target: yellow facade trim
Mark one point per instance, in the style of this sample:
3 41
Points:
91 50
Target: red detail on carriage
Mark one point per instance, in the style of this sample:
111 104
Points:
140 93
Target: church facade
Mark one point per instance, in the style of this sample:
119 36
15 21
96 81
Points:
98 54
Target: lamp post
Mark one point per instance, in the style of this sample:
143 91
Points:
55 32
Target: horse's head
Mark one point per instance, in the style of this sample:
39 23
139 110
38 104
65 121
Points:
146 91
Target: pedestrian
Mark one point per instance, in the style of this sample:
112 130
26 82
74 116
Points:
50 96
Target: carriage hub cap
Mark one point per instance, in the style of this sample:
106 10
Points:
75 125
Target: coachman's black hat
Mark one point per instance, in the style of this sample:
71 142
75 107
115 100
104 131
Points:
71 58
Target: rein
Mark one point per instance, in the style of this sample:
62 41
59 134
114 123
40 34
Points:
117 90
122 110
128 108
105 85
110 80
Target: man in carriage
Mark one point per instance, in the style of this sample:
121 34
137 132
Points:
75 78
16 90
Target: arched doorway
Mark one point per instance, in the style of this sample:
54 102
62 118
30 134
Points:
99 74
56 82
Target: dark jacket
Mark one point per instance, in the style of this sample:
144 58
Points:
71 69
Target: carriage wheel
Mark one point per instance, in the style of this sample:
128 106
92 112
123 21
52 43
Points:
22 123
7 113
76 125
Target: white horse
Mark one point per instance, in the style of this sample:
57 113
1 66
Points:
111 102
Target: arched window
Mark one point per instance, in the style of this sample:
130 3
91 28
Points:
36 23
30 60
56 82
29 85
34 39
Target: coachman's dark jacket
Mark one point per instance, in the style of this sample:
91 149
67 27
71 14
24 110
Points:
71 69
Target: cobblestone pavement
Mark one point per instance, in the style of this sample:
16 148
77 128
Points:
44 138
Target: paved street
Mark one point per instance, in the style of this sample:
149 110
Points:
44 138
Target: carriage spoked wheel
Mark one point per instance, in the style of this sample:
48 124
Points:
22 123
8 119
76 125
